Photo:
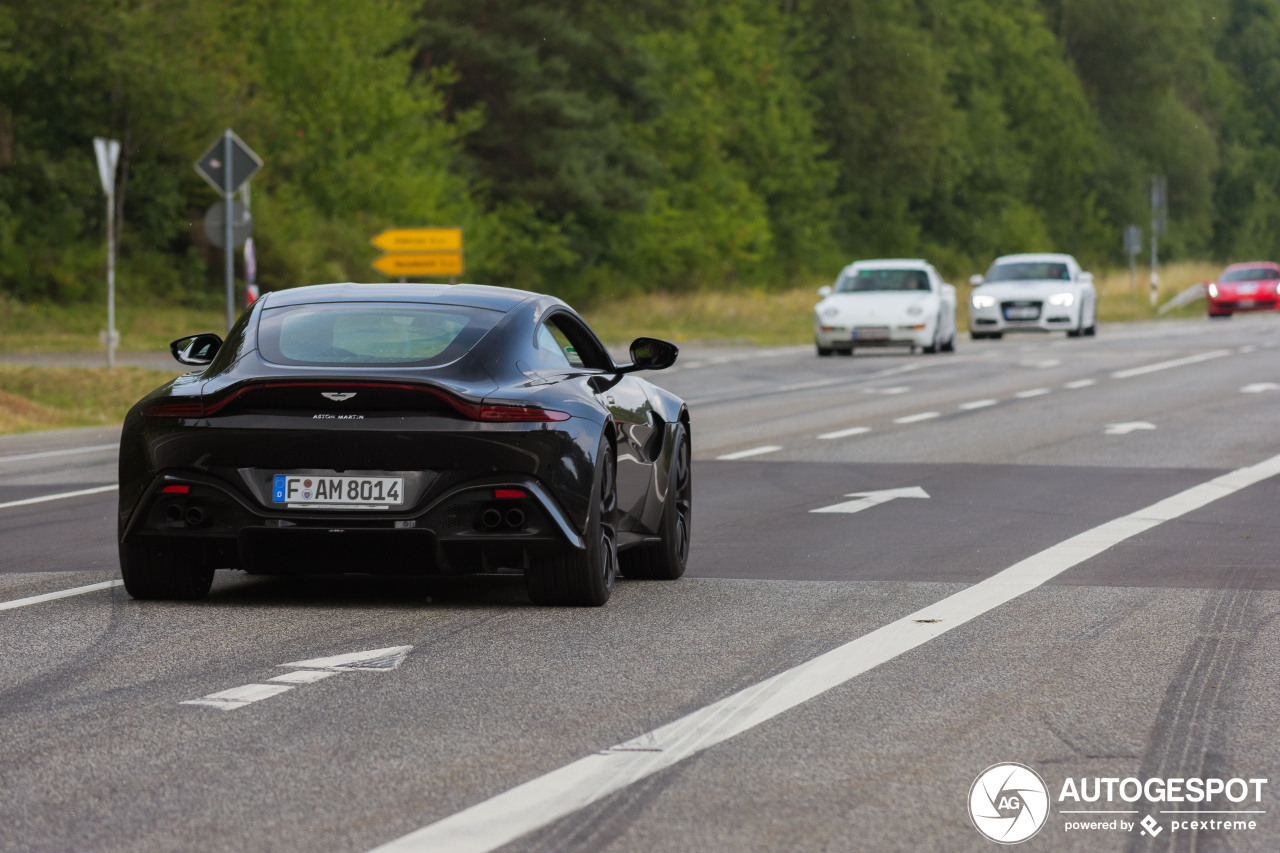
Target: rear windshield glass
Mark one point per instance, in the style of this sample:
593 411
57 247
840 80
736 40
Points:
1031 271
1251 274
368 334
882 280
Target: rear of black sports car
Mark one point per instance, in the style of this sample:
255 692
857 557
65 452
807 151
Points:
282 459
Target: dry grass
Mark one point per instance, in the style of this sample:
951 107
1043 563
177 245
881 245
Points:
1116 304
74 328
38 398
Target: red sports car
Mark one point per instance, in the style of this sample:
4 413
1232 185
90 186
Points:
1253 286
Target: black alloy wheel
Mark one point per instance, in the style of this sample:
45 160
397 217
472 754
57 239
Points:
667 560
584 577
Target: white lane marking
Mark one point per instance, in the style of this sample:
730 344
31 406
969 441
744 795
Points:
545 799
44 498
62 593
1259 387
1127 427
866 500
915 419
978 404
373 660
45 454
1080 383
816 383
304 676
1165 365
845 433
1246 349
1031 392
309 672
238 697
897 389
1043 364
755 451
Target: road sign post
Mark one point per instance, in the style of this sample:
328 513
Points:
227 165
1132 246
107 152
1159 224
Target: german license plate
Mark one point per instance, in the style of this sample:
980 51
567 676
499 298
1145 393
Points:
312 491
870 334
1021 313
1246 303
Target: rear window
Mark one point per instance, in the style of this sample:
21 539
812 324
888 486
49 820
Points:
864 280
1251 274
1029 271
370 334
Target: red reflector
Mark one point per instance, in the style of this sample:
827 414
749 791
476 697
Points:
176 490
509 493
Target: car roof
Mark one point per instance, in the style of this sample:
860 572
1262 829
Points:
891 263
1042 257
466 295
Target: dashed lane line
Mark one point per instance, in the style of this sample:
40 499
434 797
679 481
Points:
845 433
539 802
916 418
754 451
978 404
62 593
1080 383
97 490
1031 392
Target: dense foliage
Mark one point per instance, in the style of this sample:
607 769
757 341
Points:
593 148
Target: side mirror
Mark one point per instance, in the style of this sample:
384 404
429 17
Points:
1086 277
196 350
976 280
825 291
650 354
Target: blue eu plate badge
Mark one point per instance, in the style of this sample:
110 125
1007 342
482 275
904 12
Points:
278 488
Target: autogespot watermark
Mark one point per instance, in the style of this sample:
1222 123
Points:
1009 803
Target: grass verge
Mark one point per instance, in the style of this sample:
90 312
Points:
39 398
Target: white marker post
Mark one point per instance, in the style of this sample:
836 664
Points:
108 153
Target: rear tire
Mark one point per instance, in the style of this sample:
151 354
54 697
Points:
154 570
583 578
666 560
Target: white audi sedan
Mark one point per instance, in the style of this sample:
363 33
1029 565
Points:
902 303
1033 293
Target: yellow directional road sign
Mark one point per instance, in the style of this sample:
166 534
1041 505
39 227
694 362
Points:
420 263
419 240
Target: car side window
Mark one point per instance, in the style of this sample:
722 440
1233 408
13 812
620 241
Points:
550 354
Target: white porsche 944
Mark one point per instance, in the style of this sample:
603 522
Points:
900 303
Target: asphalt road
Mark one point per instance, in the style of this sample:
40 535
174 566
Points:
1043 557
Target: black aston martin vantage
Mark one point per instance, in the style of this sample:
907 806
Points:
420 429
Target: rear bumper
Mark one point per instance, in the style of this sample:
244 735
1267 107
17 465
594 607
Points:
464 529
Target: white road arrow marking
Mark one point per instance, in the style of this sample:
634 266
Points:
308 672
866 500
1259 387
1126 428
374 660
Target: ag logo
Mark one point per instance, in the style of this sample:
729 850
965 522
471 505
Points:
1008 803
337 396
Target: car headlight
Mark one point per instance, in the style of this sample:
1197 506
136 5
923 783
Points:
1063 299
1213 290
830 311
915 310
982 300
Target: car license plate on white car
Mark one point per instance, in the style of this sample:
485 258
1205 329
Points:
314 491
871 334
1030 313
